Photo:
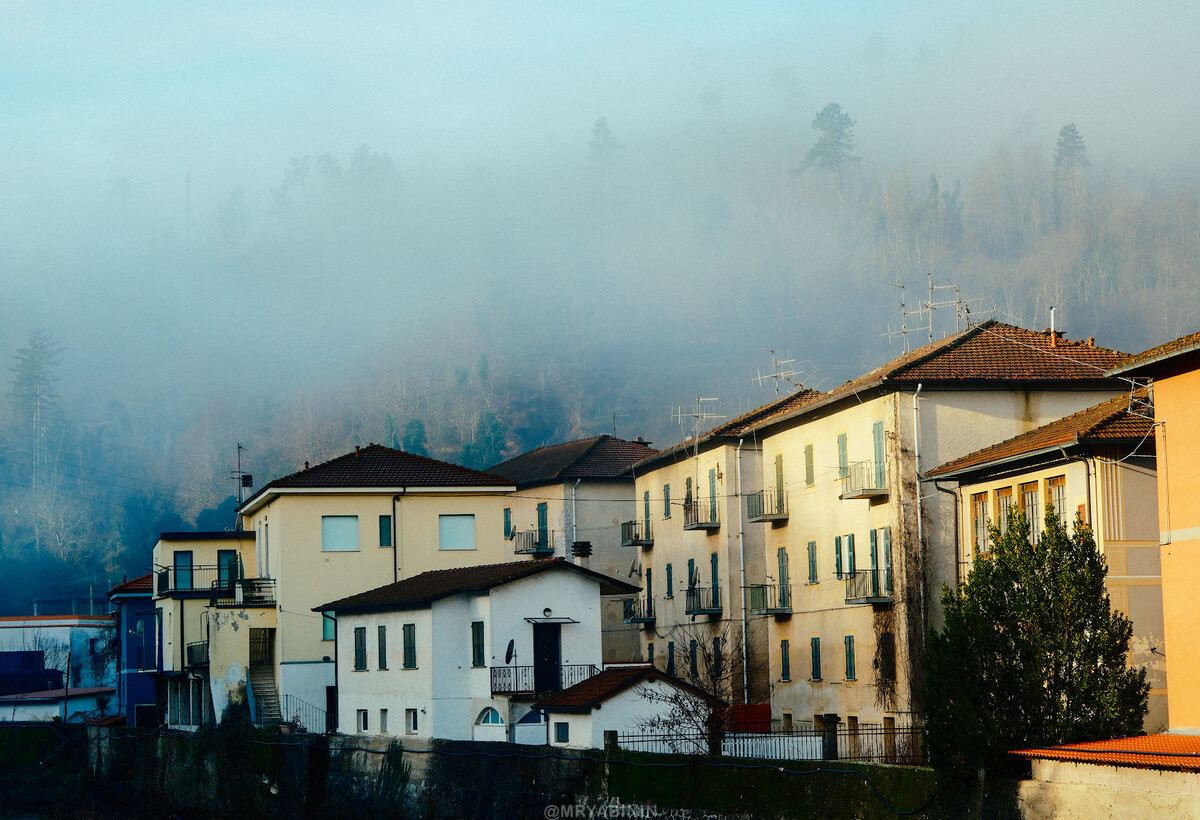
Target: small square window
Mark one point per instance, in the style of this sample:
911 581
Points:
562 732
328 626
410 721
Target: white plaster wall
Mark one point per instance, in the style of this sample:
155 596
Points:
395 688
566 595
306 680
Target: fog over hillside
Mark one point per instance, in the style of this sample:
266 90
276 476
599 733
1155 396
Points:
480 228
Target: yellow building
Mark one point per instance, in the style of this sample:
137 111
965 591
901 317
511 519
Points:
1097 466
856 545
1175 370
366 518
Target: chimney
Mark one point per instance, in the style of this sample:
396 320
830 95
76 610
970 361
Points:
306 465
356 451
1091 341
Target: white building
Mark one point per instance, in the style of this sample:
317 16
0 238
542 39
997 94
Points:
462 653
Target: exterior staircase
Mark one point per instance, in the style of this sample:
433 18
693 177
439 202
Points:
266 696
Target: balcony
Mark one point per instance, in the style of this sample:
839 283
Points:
535 680
864 479
771 599
703 601
199 578
701 515
639 611
868 586
533 542
636 534
244 592
767 505
197 653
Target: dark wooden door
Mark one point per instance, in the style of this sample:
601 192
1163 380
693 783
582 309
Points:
547 657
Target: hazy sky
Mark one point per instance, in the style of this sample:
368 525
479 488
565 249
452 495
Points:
105 110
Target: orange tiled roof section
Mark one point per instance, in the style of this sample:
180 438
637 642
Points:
1107 420
1183 344
143 583
379 466
1174 752
598 687
600 456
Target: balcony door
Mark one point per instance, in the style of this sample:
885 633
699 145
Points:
547 657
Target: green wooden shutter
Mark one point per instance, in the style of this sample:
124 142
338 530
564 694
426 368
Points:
877 433
670 584
410 646
785 661
874 564
712 495
850 657
694 670
649 585
508 522
816 658
666 501
850 553
812 562
809 472
887 560
783 577
670 657
691 573
646 512
843 458
543 534
779 507
837 555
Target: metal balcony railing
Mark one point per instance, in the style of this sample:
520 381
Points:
771 599
864 479
639 610
533 542
868 586
636 534
703 601
199 578
197 653
767 505
245 592
304 716
529 680
701 514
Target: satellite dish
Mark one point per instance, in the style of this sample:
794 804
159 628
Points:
634 568
508 653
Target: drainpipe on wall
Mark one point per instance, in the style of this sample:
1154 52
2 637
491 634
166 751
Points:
959 554
574 519
396 536
920 528
742 559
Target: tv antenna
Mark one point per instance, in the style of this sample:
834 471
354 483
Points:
243 479
777 375
698 416
616 416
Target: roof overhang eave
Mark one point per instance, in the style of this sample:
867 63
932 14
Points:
268 494
958 474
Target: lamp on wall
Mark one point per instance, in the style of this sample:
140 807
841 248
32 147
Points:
546 612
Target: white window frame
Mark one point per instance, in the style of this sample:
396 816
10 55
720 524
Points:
456 531
335 531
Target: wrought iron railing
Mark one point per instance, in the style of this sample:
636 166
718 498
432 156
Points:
192 579
864 479
304 716
766 505
703 601
247 592
527 680
770 599
639 610
533 541
868 585
197 653
700 514
636 534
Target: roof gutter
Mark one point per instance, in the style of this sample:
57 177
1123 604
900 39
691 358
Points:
956 475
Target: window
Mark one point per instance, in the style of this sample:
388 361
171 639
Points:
1004 507
670 593
477 654
787 721
1056 494
227 567
887 560
785 661
877 435
650 654
1029 506
489 717
362 720
382 647
646 509
410 721
543 525
779 507
183 569
712 495
692 578
328 626
816 658
385 530
979 519
716 576
850 566
809 476
850 657
692 660
687 491
812 562
383 721
339 533
670 657
410 646
360 648
837 555
716 664
784 589
562 732
843 459
508 530
456 532
666 501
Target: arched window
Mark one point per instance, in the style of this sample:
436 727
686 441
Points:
489 717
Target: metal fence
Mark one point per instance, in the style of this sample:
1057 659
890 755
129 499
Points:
304 716
866 743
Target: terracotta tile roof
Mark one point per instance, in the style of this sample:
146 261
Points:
1108 420
222 535
1141 362
421 590
600 456
991 352
1174 752
376 466
600 687
143 583
735 428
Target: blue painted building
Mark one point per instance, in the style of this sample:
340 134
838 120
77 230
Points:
137 659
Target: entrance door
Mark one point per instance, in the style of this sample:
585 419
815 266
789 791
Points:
547 657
